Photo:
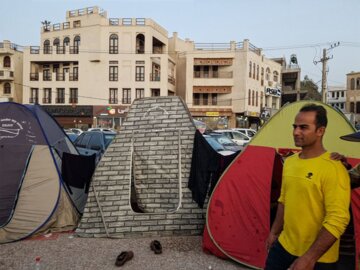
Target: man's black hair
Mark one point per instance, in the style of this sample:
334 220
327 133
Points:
321 118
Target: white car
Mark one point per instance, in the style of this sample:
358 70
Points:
247 131
236 136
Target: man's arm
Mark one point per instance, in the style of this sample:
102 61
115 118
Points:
322 243
276 227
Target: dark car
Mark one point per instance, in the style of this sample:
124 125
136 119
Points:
94 142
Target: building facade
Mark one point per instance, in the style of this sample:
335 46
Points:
11 72
336 97
353 96
226 84
88 70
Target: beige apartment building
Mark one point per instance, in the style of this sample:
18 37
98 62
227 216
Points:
226 85
353 96
88 69
11 72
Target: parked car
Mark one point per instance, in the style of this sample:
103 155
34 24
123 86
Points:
236 136
94 142
77 131
72 136
226 144
103 129
247 131
201 126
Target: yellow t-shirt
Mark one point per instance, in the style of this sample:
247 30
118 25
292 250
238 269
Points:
315 193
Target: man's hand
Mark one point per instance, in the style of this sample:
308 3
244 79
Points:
342 158
302 263
270 240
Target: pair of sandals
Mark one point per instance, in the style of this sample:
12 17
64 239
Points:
125 256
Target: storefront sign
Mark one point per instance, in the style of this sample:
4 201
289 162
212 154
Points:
212 113
272 92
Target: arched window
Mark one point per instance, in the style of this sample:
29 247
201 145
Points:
66 41
253 98
250 68
7 88
7 61
113 44
140 43
352 84
56 42
276 76
47 48
249 97
254 67
77 41
267 75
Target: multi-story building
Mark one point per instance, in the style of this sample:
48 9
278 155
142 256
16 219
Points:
353 96
11 68
88 69
226 85
336 97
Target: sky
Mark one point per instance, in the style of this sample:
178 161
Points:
279 27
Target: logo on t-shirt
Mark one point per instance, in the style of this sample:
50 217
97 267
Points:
309 175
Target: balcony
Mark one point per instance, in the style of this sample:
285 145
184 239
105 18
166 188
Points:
126 101
214 74
57 50
46 100
212 102
6 75
47 77
73 77
34 100
60 100
34 76
73 100
113 100
155 77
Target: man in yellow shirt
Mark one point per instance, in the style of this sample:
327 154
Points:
313 209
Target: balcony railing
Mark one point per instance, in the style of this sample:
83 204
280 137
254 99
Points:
60 100
74 49
155 77
211 102
113 100
60 49
47 50
73 77
34 49
34 100
126 101
214 74
46 100
46 77
73 100
171 80
34 76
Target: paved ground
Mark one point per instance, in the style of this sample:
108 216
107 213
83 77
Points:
63 251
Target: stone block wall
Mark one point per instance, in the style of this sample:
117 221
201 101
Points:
140 185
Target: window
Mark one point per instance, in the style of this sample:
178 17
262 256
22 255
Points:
267 76
139 92
249 97
75 49
358 107
261 100
114 44
139 73
262 76
75 75
357 83
60 95
342 93
47 47
276 76
155 92
205 99
34 95
66 41
47 96
257 99
126 93
140 43
77 24
196 71
352 107
250 67
7 88
254 66
206 71
113 96
113 73
352 84
214 99
196 99
257 72
73 95
46 75
253 98
56 42
7 61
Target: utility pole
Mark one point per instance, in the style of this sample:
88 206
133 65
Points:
324 60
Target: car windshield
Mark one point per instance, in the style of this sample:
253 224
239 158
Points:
214 144
108 139
222 139
239 136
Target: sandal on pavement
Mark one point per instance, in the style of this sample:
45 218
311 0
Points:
123 257
156 247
